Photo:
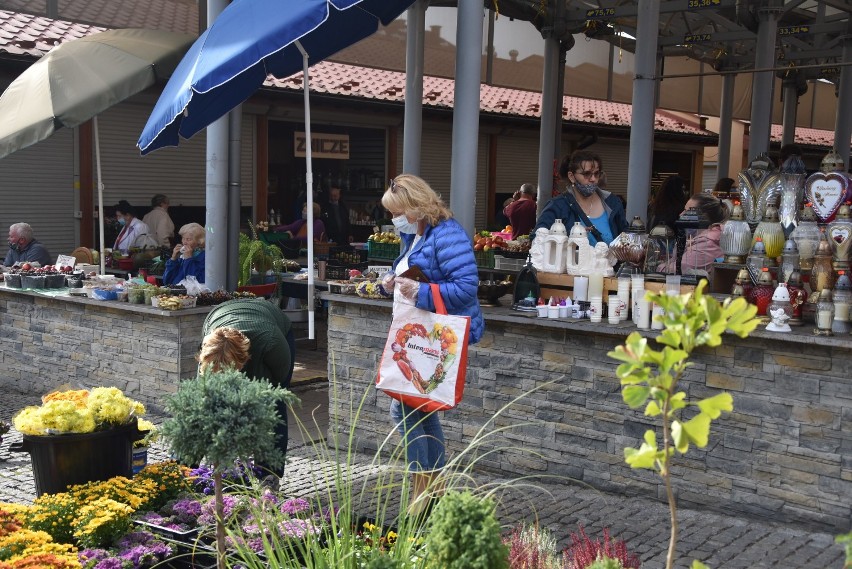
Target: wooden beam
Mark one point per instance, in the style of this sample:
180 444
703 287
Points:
491 180
261 197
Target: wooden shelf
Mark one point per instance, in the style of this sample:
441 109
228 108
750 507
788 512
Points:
554 284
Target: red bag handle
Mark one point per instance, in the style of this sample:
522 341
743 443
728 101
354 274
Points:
440 308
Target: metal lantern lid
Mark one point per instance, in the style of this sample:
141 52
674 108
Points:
578 231
831 163
807 214
825 295
823 248
771 214
781 293
790 248
795 279
662 231
758 248
844 212
737 214
765 277
637 225
742 276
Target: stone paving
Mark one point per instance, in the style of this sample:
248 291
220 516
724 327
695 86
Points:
719 541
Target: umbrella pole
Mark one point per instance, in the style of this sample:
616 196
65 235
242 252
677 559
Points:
100 193
309 177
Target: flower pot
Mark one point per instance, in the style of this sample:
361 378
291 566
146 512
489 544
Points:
62 460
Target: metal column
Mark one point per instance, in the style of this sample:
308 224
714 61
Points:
762 82
216 195
466 112
642 119
726 112
413 127
843 122
790 93
232 237
547 128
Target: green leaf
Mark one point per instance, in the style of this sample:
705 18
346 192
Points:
696 564
635 395
695 431
681 441
669 337
652 410
672 357
650 438
645 457
677 401
713 406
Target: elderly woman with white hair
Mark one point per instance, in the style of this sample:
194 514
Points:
187 257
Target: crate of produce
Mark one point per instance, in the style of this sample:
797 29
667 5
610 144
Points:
484 259
378 250
348 255
502 263
340 271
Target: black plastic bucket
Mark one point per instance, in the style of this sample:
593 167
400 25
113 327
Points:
63 460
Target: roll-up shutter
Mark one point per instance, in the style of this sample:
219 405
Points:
180 172
517 162
708 176
37 185
435 166
615 156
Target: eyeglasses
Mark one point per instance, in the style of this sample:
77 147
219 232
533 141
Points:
393 185
589 175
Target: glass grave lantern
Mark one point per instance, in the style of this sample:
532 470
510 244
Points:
793 176
797 297
629 248
824 314
770 230
736 237
780 310
660 253
807 236
756 260
789 261
688 225
822 272
839 234
761 294
842 297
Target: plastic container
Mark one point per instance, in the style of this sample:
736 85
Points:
12 281
104 294
502 263
136 295
32 281
54 281
62 460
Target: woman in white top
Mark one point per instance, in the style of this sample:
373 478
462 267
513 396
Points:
134 232
159 223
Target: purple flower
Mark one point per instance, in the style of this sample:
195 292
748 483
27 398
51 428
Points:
294 506
110 563
186 510
91 557
143 556
297 528
136 538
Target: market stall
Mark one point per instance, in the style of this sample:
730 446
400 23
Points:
779 455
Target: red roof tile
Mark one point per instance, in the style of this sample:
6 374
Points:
809 136
349 80
25 34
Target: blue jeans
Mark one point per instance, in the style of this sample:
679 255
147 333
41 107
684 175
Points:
422 435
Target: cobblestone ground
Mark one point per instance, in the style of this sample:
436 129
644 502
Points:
719 541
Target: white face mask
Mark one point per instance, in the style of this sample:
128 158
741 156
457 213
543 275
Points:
403 225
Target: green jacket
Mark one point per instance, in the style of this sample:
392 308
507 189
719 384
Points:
266 328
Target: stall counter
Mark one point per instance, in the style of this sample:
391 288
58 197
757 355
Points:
783 454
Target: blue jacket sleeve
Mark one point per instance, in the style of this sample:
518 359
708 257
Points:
455 260
177 270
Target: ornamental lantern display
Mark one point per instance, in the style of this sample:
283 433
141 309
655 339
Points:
822 272
780 310
742 285
797 297
842 297
807 236
736 237
629 248
550 247
579 252
760 185
839 234
829 189
762 292
756 260
789 261
660 251
824 314
772 234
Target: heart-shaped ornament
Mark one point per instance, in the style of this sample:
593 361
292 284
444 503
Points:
425 356
826 192
839 235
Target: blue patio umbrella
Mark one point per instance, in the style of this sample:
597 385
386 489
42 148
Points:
248 41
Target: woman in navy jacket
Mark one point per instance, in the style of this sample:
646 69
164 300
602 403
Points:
438 245
187 256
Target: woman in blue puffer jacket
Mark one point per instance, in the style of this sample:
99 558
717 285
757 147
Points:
438 245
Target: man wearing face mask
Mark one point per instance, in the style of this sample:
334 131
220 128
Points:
23 248
598 210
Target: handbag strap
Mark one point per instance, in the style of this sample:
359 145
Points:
590 227
440 308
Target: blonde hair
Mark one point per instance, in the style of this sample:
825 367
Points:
195 231
224 348
413 196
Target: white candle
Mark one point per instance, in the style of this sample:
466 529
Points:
841 311
596 285
553 311
644 314
581 289
596 309
824 319
656 314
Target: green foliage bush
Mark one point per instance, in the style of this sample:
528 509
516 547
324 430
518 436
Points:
605 563
464 534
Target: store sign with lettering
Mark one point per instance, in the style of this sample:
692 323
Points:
334 146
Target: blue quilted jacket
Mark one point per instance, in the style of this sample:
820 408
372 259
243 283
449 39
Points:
445 256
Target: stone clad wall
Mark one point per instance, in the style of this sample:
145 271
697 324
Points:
785 453
47 342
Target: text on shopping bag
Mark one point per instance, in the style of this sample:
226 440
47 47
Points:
425 356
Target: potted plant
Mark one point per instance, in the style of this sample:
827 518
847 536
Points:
464 534
140 447
256 255
224 416
89 433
